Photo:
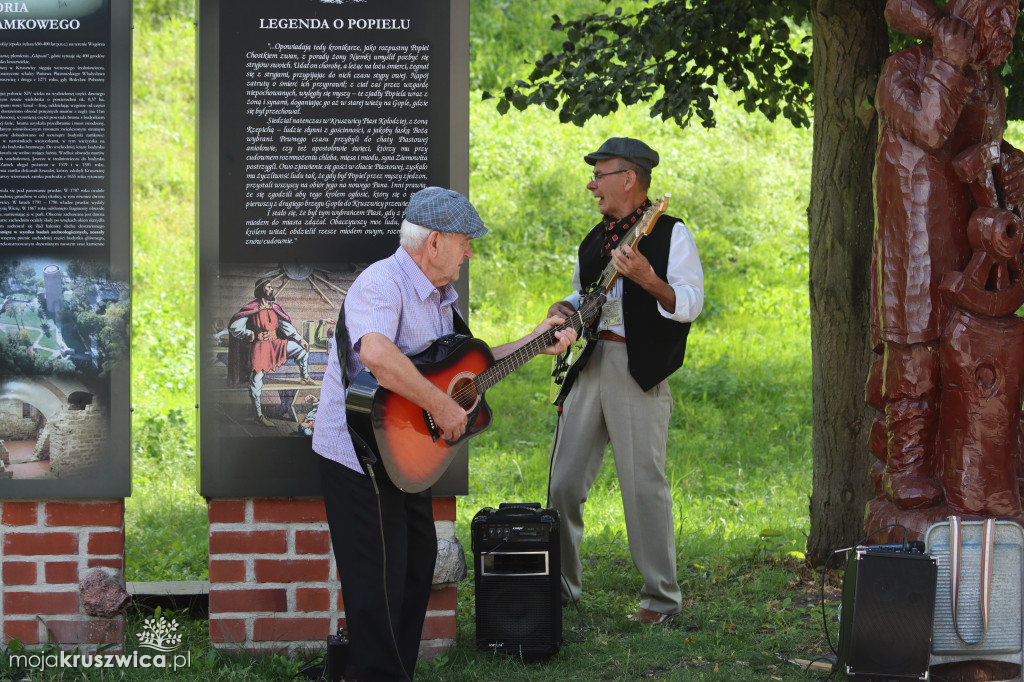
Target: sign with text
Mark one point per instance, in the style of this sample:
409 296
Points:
65 248
318 120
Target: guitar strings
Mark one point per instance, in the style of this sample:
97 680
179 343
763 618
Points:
470 390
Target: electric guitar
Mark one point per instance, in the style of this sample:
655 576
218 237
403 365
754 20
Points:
567 366
408 441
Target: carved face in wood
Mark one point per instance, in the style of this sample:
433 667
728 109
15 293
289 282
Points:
994 22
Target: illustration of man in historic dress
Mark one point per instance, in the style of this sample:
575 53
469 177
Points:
262 340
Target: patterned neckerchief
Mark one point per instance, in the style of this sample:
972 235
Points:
614 229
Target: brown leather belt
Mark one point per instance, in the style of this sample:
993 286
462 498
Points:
610 336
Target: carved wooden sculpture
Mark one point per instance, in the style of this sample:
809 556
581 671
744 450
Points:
947 272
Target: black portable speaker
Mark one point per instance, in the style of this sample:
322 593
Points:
887 610
516 573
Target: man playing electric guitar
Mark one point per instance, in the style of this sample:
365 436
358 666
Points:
621 395
383 538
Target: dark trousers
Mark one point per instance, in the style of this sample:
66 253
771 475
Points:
386 565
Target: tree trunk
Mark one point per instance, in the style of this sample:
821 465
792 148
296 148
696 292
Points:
850 45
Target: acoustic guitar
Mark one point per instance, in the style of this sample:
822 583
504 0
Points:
407 440
567 366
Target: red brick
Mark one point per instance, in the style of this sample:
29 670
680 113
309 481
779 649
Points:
341 601
40 603
290 629
61 572
312 599
226 511
227 630
312 542
247 601
25 631
444 508
85 513
87 631
285 510
106 543
19 573
291 570
19 513
117 563
248 542
227 571
439 627
444 599
29 544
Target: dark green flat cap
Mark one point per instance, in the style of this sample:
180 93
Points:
626 148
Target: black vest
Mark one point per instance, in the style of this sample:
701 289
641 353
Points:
655 345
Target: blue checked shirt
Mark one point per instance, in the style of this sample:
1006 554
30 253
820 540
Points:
394 298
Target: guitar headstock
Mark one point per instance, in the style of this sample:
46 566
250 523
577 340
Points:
662 204
651 215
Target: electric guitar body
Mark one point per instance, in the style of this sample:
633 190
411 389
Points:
568 365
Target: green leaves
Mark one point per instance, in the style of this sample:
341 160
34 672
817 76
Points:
675 54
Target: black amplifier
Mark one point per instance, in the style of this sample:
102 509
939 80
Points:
517 574
887 610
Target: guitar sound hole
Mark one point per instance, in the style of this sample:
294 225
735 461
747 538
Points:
464 392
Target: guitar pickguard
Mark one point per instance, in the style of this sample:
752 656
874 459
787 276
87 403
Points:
462 390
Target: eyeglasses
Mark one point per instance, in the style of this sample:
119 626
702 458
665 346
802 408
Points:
597 176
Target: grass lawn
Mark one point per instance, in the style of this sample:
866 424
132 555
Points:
740 435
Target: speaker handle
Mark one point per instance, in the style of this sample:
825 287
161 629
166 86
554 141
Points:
988 536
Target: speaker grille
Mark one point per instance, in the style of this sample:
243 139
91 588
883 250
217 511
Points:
888 604
518 597
516 611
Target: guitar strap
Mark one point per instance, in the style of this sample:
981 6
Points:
460 325
341 338
341 345
367 455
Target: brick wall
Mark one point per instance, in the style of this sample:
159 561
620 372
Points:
47 547
14 425
274 584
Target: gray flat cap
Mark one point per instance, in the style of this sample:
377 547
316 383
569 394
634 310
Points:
626 148
444 210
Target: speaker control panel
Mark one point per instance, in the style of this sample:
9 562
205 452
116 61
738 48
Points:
512 532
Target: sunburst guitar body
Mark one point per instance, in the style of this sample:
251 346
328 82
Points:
407 440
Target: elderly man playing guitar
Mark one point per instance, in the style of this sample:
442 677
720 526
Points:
621 394
383 536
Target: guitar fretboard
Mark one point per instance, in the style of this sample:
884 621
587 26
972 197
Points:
519 357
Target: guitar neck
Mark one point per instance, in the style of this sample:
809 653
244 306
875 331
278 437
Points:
519 357
644 226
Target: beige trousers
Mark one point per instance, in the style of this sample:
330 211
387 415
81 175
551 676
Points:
606 405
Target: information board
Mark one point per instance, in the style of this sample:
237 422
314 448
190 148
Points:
317 120
65 248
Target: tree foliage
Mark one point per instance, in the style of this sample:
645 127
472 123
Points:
673 54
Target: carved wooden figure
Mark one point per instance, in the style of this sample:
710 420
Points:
947 271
